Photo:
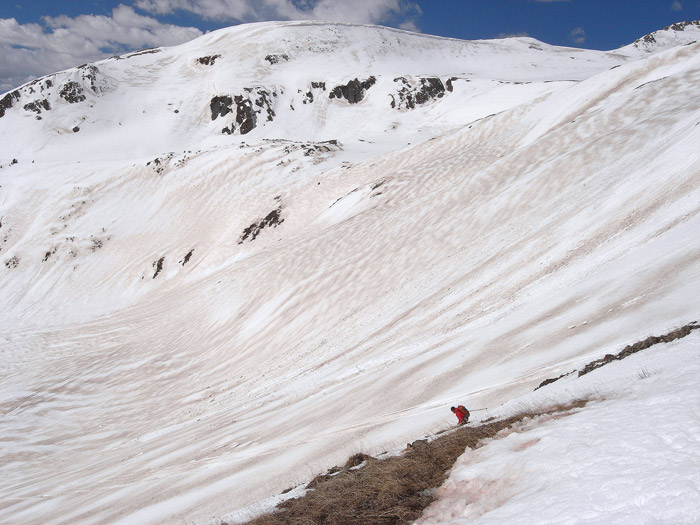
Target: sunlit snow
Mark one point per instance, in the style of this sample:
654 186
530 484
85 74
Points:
541 214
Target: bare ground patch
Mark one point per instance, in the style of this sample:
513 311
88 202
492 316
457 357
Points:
395 490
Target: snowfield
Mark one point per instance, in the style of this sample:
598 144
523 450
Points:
228 265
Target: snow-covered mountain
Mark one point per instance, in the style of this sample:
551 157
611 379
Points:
230 264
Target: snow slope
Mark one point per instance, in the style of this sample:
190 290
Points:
632 457
195 320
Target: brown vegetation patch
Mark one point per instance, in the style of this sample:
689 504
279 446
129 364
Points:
391 491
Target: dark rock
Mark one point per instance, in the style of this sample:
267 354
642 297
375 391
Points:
187 257
309 95
245 114
264 101
91 76
72 92
248 106
37 105
49 254
12 262
158 265
209 60
412 94
271 219
7 101
220 106
76 129
276 59
353 91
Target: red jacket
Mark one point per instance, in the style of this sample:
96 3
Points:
462 414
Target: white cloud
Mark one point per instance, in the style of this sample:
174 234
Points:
402 12
578 35
676 6
31 50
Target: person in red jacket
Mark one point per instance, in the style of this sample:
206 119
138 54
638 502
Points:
461 413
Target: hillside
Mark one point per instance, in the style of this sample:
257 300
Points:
229 265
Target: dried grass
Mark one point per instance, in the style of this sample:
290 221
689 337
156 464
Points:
393 490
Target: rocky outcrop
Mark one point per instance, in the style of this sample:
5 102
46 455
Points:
158 265
8 101
220 106
412 93
654 41
276 59
250 106
208 60
37 105
353 91
72 92
315 87
42 94
271 219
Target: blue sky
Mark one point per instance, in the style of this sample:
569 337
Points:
38 37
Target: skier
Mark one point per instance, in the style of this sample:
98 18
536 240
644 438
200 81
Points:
461 413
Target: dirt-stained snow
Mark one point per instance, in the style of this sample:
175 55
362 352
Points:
542 213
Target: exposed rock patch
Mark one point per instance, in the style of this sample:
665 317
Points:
72 92
353 91
49 254
186 258
220 106
158 265
37 105
271 219
319 151
276 59
250 105
647 42
208 60
8 101
161 163
12 262
315 87
411 93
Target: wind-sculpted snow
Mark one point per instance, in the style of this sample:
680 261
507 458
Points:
539 214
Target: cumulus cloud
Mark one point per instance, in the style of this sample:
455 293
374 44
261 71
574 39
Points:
676 6
578 35
402 13
35 49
